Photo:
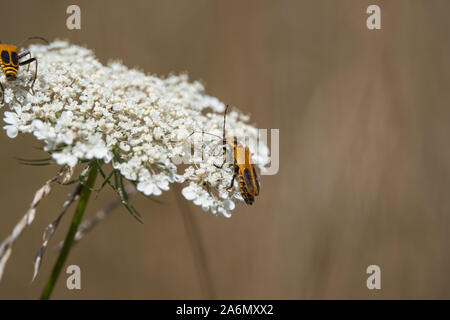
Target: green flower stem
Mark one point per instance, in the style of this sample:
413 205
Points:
84 197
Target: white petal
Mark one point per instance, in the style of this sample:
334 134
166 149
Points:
189 193
229 205
11 131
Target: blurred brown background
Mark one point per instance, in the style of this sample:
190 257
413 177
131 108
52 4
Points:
365 160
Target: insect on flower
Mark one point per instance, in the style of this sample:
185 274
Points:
10 61
244 169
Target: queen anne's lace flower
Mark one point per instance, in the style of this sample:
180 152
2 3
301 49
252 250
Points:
83 110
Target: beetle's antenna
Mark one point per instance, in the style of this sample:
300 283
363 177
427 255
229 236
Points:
33 38
224 122
202 132
211 134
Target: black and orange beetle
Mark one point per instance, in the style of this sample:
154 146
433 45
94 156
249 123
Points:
10 61
243 167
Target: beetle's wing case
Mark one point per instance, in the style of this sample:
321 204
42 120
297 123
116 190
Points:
256 181
249 181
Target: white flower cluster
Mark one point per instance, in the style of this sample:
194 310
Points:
83 110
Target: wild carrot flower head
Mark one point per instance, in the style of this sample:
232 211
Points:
139 123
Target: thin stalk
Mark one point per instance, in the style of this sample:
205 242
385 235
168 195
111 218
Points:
84 197
197 246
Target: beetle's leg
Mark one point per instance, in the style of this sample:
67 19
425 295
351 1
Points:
232 182
236 171
35 70
3 93
23 54
224 155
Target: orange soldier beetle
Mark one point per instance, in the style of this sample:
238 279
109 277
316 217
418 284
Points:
243 168
10 61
